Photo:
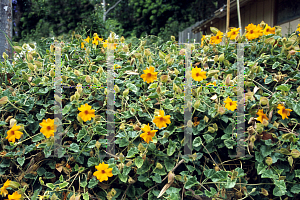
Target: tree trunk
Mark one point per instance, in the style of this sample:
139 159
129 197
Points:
6 27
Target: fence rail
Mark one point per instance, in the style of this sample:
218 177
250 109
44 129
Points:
187 34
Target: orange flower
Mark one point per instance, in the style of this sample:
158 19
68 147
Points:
253 31
14 133
268 30
262 116
82 45
3 190
148 134
233 33
230 105
161 120
196 123
103 172
216 39
283 111
86 112
48 127
14 196
198 74
87 39
210 84
149 75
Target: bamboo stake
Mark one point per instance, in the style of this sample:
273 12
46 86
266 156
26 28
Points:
228 15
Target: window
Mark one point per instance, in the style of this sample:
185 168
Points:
287 11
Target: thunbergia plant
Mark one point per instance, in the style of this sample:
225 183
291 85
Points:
149 136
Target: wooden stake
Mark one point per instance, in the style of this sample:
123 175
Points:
228 15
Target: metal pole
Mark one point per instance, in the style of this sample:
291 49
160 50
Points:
239 16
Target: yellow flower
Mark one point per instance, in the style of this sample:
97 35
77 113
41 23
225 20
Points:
82 45
233 33
109 44
87 39
210 84
14 133
86 112
95 42
3 190
116 66
283 112
149 75
14 196
161 120
298 29
202 40
216 39
253 31
196 123
262 116
230 105
148 134
198 75
268 30
103 172
48 127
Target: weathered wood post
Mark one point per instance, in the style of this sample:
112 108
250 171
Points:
6 27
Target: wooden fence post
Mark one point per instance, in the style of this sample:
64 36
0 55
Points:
6 27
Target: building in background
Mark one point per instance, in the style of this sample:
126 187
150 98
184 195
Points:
284 13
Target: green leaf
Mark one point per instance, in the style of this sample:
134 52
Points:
81 134
49 175
230 183
169 164
211 193
74 147
208 138
156 178
123 177
284 87
50 185
2 123
197 142
21 160
62 185
66 109
219 176
139 162
85 196
83 184
229 143
269 80
132 87
171 148
295 189
142 178
265 150
296 108
38 137
261 167
93 182
275 65
191 182
153 85
280 188
92 161
132 151
41 171
297 173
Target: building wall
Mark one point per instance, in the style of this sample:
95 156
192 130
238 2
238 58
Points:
289 27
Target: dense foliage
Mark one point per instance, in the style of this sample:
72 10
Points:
149 119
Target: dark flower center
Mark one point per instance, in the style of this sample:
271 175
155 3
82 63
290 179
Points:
149 74
148 133
12 132
86 112
103 171
197 74
49 127
251 31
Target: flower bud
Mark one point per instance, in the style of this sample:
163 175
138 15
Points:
64 78
31 66
158 90
150 61
76 72
259 127
164 78
298 89
179 91
205 49
77 95
221 110
3 100
173 38
211 73
147 52
4 56
132 61
216 58
161 55
159 166
295 153
177 72
33 53
52 73
221 57
269 161
265 122
88 79
79 88
29 57
138 55
79 119
206 119
72 98
105 91
38 64
116 88
197 104
46 79
12 121
170 61
175 87
122 127
122 39
95 80
18 49
14 185
98 145
227 81
250 130
182 52
126 92
125 49
214 30
264 101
